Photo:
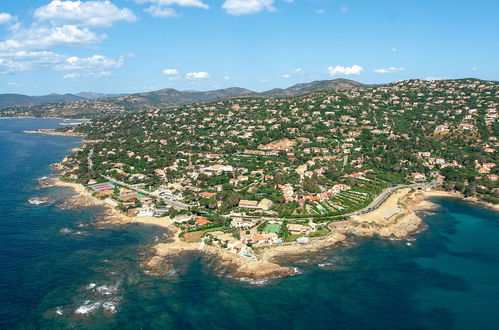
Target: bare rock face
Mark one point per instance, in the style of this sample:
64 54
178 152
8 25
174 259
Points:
257 270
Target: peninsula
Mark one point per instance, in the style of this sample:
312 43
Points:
250 179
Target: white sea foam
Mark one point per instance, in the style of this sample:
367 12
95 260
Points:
58 310
326 264
87 307
64 231
91 286
35 201
408 244
107 290
109 307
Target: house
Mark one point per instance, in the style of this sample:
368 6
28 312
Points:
418 176
247 204
298 229
265 204
183 218
207 194
241 223
266 238
216 169
201 221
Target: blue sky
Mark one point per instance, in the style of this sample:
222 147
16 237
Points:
123 46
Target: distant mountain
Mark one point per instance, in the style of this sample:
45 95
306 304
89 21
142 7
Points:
315 86
95 96
172 97
15 99
91 103
19 99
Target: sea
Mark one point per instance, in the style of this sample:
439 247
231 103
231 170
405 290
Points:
58 270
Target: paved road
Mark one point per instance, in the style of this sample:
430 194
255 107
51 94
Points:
387 193
174 204
372 206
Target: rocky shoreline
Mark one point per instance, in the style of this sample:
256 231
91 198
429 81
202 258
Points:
396 217
53 131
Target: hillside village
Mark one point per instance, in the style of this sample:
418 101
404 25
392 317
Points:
249 172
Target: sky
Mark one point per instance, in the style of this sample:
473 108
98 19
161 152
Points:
126 46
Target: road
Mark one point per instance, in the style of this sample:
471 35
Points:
372 206
177 205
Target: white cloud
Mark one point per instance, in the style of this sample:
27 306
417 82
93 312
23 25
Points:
320 11
227 78
293 72
15 84
394 49
43 37
23 61
93 63
182 3
6 18
344 9
474 69
391 69
160 8
170 71
9 66
88 13
243 7
197 75
157 11
71 76
99 74
353 70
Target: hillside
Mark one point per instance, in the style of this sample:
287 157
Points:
20 99
160 99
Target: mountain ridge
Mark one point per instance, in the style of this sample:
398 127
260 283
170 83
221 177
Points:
172 97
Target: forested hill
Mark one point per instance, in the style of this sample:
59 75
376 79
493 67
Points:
160 99
411 131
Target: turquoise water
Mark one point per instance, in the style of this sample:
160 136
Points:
57 270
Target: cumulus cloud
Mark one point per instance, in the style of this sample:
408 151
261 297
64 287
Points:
197 75
92 63
88 13
293 72
320 11
6 18
243 7
44 37
391 69
61 24
161 8
353 70
170 71
182 3
157 11
99 74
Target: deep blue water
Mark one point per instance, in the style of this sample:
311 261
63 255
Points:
445 278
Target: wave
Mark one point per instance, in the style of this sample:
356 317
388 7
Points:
109 307
87 307
36 201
